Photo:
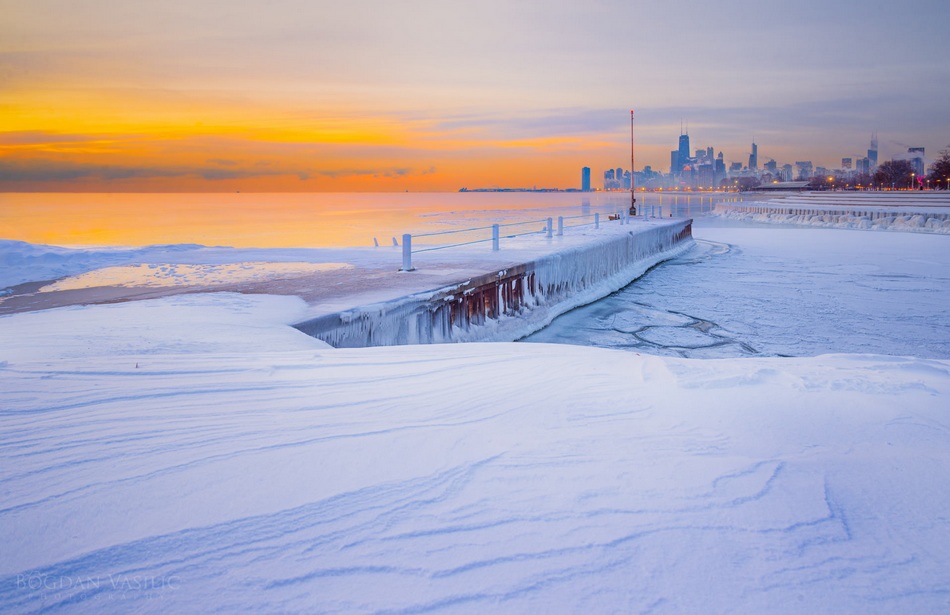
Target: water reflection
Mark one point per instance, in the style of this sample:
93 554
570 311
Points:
295 220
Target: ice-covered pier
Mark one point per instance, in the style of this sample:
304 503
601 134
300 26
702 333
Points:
927 212
509 301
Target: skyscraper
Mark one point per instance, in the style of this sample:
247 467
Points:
585 179
754 157
683 157
917 159
720 169
872 153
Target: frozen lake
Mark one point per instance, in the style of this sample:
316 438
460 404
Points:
769 291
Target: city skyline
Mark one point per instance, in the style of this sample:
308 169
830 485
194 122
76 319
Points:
423 95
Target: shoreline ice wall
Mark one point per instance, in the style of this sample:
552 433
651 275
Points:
507 304
862 217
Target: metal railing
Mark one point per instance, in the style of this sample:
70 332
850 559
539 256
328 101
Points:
549 230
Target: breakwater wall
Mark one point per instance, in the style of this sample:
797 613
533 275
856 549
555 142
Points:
933 216
510 303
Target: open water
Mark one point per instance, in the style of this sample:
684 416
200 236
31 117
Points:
297 220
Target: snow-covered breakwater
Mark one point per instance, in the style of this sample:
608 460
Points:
907 211
507 304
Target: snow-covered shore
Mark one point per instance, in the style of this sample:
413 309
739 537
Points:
880 211
196 454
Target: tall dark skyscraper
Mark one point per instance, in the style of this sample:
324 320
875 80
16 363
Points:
585 179
683 157
754 157
872 153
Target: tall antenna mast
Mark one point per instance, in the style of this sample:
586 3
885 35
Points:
633 192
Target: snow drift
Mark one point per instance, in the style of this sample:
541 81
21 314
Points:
194 454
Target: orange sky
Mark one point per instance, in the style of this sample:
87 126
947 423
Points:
312 95
119 141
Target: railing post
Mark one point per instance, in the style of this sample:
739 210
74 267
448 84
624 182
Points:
596 220
550 227
494 237
560 226
406 252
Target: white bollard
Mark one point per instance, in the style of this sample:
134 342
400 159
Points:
596 220
406 252
560 226
494 237
550 227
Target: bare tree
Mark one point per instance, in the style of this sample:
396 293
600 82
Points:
940 171
894 174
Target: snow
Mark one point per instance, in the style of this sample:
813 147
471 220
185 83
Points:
549 284
196 453
779 291
882 211
24 262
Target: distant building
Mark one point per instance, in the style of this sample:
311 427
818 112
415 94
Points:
683 159
616 179
754 157
585 179
872 153
846 164
805 169
917 160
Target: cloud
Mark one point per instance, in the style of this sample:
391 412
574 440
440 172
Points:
54 171
547 123
42 137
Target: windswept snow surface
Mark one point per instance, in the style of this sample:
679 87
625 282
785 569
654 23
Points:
195 454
